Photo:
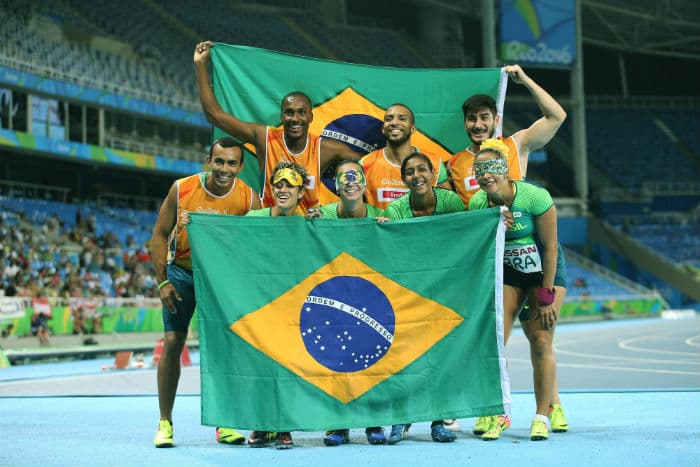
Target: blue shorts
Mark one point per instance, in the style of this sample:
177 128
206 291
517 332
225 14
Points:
183 282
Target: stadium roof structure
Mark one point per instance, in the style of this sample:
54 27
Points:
668 28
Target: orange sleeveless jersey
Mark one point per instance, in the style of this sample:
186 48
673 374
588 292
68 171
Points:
384 183
461 166
276 151
192 196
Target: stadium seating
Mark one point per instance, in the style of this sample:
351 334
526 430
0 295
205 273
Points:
631 149
677 240
584 283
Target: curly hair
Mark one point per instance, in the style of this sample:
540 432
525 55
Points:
496 146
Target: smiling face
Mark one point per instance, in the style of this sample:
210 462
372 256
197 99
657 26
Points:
287 187
491 171
480 124
296 116
418 174
398 125
350 181
225 164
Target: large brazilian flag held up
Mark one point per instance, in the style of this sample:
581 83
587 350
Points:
312 325
349 100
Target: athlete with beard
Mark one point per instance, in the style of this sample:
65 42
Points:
481 120
217 191
272 145
383 166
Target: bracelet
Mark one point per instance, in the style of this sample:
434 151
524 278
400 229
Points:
163 284
546 296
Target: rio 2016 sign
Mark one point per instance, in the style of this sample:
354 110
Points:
539 32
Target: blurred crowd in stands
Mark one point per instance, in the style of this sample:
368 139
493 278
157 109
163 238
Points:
48 261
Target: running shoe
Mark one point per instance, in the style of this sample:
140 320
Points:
396 434
336 437
259 439
482 425
229 436
283 440
451 424
538 430
558 419
164 435
498 425
375 435
440 434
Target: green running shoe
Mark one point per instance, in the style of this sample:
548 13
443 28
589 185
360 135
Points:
482 425
164 435
558 419
498 425
539 430
229 436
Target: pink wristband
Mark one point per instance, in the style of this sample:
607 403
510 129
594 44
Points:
546 296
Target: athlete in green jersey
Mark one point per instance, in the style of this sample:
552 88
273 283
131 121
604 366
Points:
528 272
418 174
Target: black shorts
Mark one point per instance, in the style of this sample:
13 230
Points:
521 280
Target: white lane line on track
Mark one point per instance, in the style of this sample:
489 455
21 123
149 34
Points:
559 351
625 344
694 341
615 368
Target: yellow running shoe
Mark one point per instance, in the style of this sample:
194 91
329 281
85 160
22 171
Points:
482 425
229 436
558 419
498 425
164 435
539 430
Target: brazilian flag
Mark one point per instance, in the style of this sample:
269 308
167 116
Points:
326 323
349 100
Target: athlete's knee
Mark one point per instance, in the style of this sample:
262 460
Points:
173 342
540 343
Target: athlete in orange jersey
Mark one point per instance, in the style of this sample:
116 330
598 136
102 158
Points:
217 191
383 167
292 143
481 120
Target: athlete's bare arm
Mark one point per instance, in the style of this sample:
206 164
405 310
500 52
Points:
333 151
253 133
542 130
167 217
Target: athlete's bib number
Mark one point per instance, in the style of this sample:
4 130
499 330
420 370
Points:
523 258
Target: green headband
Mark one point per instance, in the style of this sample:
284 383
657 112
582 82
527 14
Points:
496 166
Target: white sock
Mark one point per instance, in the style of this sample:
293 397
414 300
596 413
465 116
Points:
544 418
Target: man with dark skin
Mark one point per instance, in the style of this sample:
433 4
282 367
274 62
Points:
293 142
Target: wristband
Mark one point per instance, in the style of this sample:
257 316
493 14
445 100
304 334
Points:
546 296
163 284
